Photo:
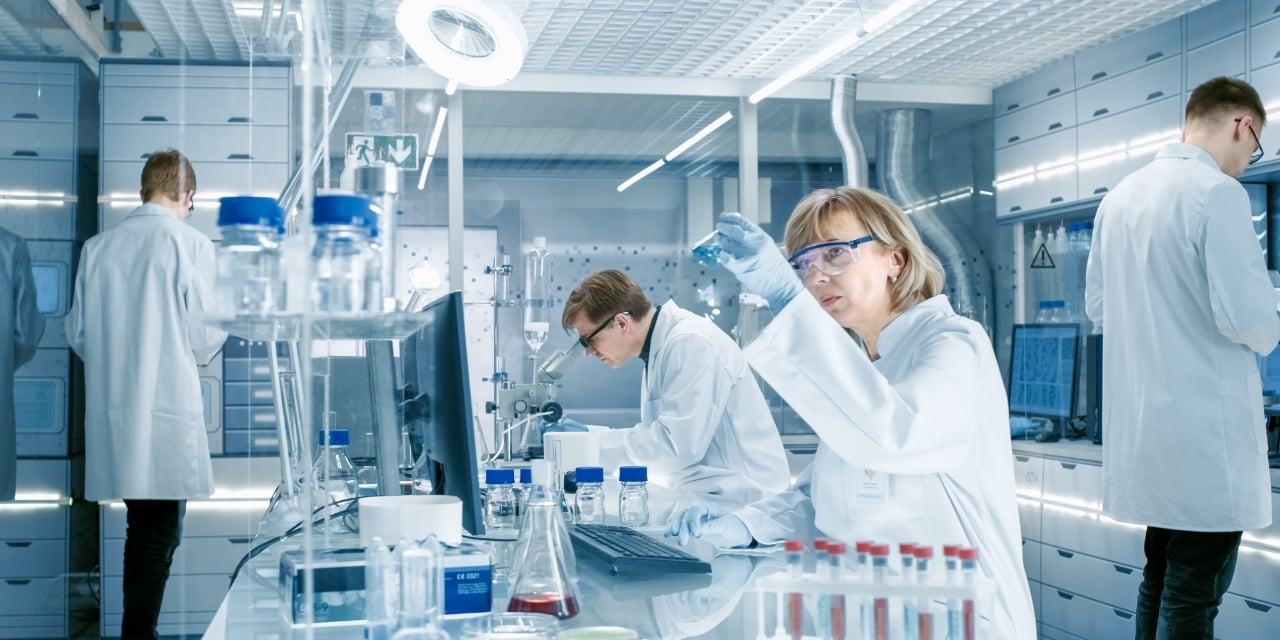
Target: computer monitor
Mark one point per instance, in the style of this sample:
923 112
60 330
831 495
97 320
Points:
438 394
1042 374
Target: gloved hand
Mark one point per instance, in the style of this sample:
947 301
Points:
710 523
752 256
563 426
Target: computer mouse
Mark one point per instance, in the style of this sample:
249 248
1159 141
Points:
1048 435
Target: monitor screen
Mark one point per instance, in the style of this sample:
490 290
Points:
48 280
438 393
1043 370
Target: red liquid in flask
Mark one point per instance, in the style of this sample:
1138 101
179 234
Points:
555 604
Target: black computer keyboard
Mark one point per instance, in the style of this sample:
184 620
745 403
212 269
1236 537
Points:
625 550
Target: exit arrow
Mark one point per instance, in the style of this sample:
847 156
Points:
400 152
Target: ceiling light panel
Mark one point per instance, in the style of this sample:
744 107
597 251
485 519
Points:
196 29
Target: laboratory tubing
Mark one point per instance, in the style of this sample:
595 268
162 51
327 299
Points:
500 502
923 555
795 601
906 551
421 583
824 600
707 250
880 575
543 564
951 561
968 577
381 591
249 277
863 572
835 559
538 299
340 256
633 499
590 495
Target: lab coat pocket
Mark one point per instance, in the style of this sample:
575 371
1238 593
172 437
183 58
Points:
1257 422
897 493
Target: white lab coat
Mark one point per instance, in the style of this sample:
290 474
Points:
138 290
914 447
705 427
1177 281
21 327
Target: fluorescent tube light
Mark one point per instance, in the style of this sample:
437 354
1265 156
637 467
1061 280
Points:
640 176
435 134
697 137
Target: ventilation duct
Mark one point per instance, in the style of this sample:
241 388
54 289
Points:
844 91
902 169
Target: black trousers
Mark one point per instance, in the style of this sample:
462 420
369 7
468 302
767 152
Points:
1182 585
154 531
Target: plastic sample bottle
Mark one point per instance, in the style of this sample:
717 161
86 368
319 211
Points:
969 577
880 604
590 495
951 560
795 601
421 583
500 502
823 568
906 552
633 499
249 278
835 559
381 591
340 256
924 615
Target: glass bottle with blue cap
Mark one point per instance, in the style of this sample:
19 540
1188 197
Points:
249 279
590 495
500 503
633 499
340 258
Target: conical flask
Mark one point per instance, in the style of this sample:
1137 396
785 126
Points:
545 578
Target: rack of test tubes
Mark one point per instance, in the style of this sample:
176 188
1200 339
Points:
872 594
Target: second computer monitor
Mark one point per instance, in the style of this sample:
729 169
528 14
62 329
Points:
1042 374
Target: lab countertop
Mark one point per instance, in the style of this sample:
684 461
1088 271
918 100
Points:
1087 452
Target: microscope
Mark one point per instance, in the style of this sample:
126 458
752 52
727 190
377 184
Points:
519 402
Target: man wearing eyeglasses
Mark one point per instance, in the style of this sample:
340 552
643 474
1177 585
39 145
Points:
1177 282
705 427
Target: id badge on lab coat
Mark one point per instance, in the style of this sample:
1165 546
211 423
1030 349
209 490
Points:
873 485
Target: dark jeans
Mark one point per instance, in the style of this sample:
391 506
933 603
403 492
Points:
155 529
1182 585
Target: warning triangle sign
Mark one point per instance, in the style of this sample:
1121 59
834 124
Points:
1042 260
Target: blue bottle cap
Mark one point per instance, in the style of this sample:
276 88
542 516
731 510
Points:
337 437
344 209
526 475
633 474
589 474
499 476
256 210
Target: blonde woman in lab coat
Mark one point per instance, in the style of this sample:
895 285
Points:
913 422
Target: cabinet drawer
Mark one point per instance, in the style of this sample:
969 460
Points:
1028 474
1029 514
47 178
204 518
1079 615
201 142
33 558
181 594
37 102
37 139
195 105
50 220
1263 10
35 521
1035 121
1244 618
1053 80
258 442
246 418
26 627
1112 148
1223 58
1128 53
186 623
1215 22
1107 582
1264 44
195 556
1051 159
1031 551
1092 534
1053 633
40 408
33 596
1073 483
169 76
1122 93
1257 575
250 393
1035 588
216 179
1267 82
246 370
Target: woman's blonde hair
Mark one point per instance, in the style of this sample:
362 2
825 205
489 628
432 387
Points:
922 275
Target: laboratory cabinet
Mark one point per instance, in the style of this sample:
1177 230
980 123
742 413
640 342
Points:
1226 57
1263 10
1035 121
1118 94
1055 79
1128 53
1264 44
1215 22
1043 173
1267 82
34 552
41 394
1112 148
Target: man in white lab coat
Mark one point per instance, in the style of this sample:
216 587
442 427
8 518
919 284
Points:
134 321
1177 283
21 326
705 427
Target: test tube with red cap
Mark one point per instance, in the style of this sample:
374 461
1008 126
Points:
880 605
835 556
907 551
795 600
969 577
863 572
951 558
923 555
824 601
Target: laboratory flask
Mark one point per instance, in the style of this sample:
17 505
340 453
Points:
537 297
249 279
544 565
707 250
340 257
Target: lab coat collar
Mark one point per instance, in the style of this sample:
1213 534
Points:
908 321
1186 151
150 209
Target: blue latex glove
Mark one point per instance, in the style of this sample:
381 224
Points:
709 523
563 426
754 258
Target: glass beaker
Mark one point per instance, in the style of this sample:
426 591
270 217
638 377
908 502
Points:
707 250
543 566
511 626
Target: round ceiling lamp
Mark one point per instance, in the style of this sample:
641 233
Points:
476 42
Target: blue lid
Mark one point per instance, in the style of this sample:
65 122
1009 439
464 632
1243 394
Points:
588 474
1086 224
526 475
1046 304
337 437
633 474
499 476
337 208
256 210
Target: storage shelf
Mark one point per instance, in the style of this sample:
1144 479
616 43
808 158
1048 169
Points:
279 328
1073 209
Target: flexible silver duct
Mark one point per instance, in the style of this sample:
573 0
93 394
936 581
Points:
844 92
902 168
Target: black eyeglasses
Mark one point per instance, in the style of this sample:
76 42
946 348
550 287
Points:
586 341
1257 152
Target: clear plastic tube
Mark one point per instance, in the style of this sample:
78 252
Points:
951 555
795 601
969 577
880 575
909 610
823 567
923 555
835 557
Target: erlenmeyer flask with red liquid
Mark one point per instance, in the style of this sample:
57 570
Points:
546 580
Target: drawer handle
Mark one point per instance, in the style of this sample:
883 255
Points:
1011 107
1056 200
1022 458
1277 55
1154 95
1123 614
239 156
239 540
1015 208
1053 92
1066 596
146 155
1154 55
1069 466
1100 190
154 119
1101 112
239 120
1099 75
1013 139
26 116
17 583
1257 606
1125 570
1066 554
1056 125
25 153
1276 10
18 545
